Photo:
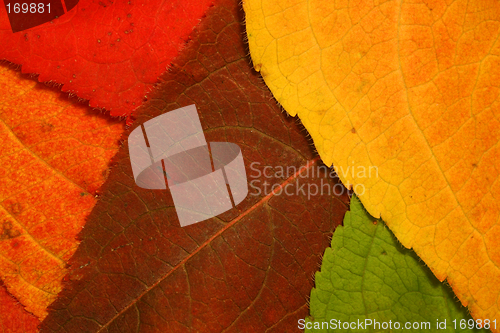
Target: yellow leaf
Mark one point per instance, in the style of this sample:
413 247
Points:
411 90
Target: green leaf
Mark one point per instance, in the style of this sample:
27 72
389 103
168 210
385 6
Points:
367 275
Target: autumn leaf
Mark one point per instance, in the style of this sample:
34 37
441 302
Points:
14 318
410 88
109 52
248 269
55 155
367 277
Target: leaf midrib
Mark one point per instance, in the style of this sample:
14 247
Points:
309 164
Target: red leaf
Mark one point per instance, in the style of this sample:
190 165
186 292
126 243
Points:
109 52
247 270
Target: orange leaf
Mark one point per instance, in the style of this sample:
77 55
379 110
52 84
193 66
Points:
14 318
410 88
55 155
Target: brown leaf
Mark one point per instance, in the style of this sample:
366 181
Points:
249 269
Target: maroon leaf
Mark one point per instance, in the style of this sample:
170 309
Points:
247 270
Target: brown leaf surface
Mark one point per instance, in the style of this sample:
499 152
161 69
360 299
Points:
247 270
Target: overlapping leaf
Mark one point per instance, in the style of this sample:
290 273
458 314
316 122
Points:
248 269
109 52
411 88
370 283
55 155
